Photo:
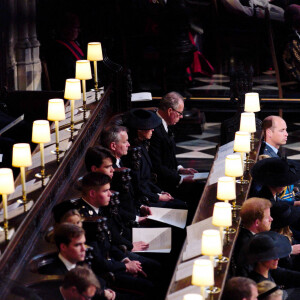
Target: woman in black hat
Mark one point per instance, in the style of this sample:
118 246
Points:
264 251
141 124
274 174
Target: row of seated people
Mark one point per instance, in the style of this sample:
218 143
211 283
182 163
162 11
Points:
267 248
113 201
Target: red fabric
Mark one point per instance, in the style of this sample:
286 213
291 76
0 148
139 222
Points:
200 63
72 50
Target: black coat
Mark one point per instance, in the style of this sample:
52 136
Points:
163 157
144 186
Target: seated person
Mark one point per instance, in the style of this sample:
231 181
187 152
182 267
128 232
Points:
80 283
255 218
274 175
100 160
268 290
95 197
141 124
275 135
70 240
240 288
264 251
115 138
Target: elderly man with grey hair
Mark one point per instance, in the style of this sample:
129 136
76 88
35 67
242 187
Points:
162 149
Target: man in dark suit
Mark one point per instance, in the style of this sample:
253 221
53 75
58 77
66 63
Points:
70 240
115 138
255 217
162 147
275 135
79 283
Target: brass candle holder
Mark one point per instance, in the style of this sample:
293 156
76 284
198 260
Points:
83 72
94 53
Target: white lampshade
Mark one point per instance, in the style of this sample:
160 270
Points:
203 273
242 142
233 165
222 216
21 155
72 89
56 110
211 243
94 51
7 185
247 122
226 188
192 297
83 70
252 102
41 131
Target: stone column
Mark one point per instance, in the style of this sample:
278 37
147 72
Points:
23 48
35 45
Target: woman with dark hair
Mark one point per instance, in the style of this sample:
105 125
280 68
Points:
264 251
141 124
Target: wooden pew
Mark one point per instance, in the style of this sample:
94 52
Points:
204 211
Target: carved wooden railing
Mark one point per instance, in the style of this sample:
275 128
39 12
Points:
28 238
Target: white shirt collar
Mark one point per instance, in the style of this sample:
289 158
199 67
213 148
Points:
163 122
68 265
96 209
118 160
272 147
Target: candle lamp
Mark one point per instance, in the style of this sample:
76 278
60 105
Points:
83 72
211 244
247 124
252 102
226 189
222 217
41 135
56 113
242 144
72 93
192 297
234 167
7 187
94 53
203 276
21 158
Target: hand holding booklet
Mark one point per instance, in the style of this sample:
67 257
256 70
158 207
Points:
159 239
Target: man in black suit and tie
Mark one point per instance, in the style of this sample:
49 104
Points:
162 150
